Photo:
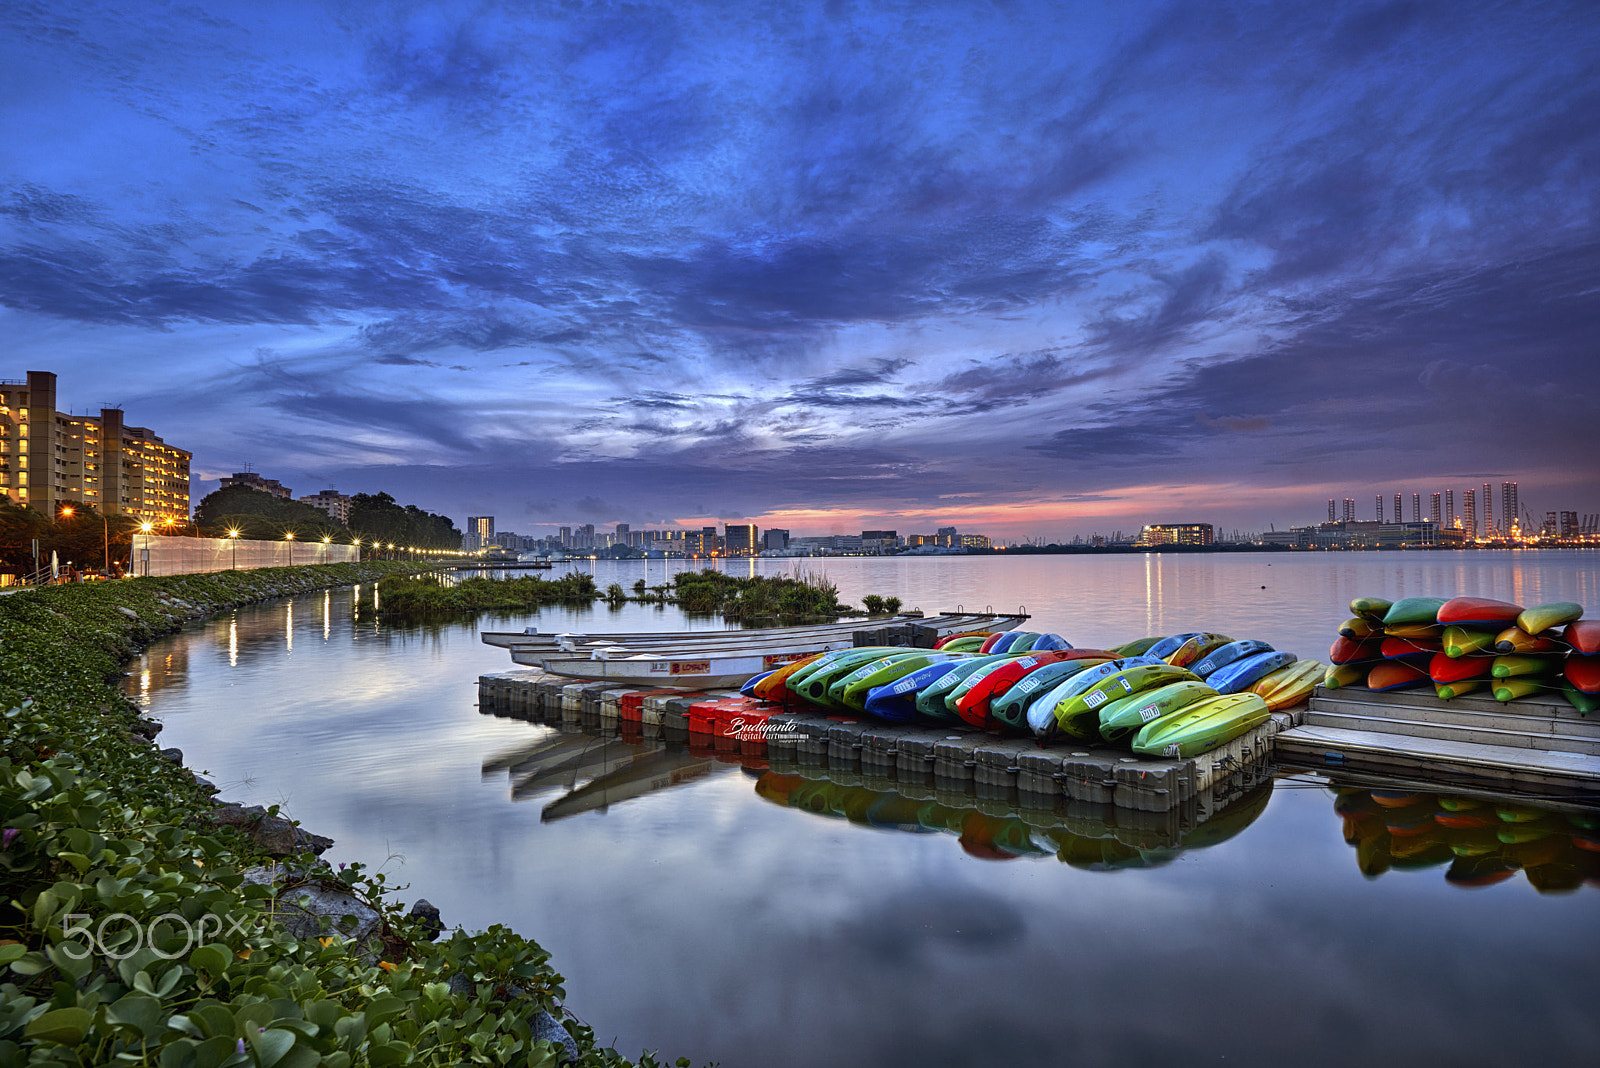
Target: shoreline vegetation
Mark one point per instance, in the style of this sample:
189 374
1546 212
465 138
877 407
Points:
143 921
750 600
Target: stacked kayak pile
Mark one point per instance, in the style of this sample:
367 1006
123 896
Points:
1469 645
1483 841
1164 696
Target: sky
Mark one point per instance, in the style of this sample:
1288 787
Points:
1028 269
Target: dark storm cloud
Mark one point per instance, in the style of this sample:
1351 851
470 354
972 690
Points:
1208 239
1463 363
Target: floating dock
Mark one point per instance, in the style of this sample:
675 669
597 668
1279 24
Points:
948 757
1537 748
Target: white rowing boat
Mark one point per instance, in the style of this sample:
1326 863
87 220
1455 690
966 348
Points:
533 637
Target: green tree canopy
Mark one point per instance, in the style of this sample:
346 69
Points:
378 515
262 516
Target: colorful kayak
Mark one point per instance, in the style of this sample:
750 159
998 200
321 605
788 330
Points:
1202 726
1345 651
1424 610
930 702
1444 668
1078 716
1136 647
1480 612
1041 717
773 688
1400 648
1289 685
1460 641
1011 707
814 686
1581 700
1510 666
1169 645
1517 640
1583 635
1373 608
1199 646
1357 628
1344 675
974 698
1225 654
1126 716
1542 617
1583 672
897 701
1241 674
851 691
1396 675
1521 686
1448 691
1422 631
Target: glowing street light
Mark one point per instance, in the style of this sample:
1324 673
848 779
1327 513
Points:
233 537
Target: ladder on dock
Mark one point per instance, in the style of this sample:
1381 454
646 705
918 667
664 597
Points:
1533 746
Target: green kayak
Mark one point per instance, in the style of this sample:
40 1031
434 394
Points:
1011 708
1125 716
851 691
930 702
814 688
1424 610
1079 715
1202 726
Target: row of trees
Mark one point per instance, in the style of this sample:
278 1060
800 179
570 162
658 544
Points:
373 516
79 534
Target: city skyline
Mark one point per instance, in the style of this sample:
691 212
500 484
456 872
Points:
1029 270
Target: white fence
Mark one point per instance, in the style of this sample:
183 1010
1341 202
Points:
159 554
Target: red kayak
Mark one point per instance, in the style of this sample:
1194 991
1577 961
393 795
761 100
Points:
1346 651
974 704
1445 668
1395 648
1478 612
1583 672
1583 635
1396 675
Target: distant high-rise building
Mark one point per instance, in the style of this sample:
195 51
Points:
1434 511
1416 507
622 533
740 539
775 539
1350 509
1469 506
1380 507
1489 529
1509 513
1450 516
480 533
1399 517
1175 534
253 480
1330 509
1569 524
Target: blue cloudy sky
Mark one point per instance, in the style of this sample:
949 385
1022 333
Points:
1029 268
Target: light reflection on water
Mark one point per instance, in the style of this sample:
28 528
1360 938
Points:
709 921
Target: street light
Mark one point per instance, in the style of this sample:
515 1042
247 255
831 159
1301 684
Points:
288 536
233 537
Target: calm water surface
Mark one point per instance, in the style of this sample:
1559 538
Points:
706 920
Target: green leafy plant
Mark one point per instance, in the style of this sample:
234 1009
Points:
133 929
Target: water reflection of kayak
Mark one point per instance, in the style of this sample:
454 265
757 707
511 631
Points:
657 770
